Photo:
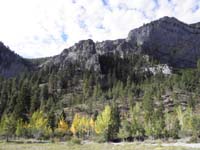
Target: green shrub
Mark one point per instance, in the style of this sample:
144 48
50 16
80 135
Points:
75 140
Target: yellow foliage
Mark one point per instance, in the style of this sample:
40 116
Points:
75 124
62 126
84 125
185 118
80 124
92 123
103 120
39 122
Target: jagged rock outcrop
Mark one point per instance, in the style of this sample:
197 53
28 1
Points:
11 64
168 40
87 53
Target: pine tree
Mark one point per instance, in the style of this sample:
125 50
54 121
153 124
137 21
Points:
35 102
86 87
52 84
115 122
159 120
196 126
44 96
176 128
23 102
12 103
148 105
125 130
96 91
172 125
52 120
137 127
3 98
50 104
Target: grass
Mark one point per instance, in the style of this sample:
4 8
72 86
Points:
90 146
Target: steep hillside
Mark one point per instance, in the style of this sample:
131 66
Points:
11 64
144 86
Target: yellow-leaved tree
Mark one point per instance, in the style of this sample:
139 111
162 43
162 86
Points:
185 118
92 126
84 126
92 123
81 126
39 125
7 126
20 128
103 121
75 124
62 126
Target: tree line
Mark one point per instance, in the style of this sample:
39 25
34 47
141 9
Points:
108 125
124 101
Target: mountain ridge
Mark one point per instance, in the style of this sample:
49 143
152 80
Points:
167 40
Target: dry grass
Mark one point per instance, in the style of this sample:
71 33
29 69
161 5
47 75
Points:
90 146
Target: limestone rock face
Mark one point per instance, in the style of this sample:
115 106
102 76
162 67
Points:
168 40
87 53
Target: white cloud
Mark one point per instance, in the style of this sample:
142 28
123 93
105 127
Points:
38 28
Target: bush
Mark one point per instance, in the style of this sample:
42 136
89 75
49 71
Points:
125 130
194 139
55 140
76 141
99 139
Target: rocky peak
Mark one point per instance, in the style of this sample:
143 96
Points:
167 19
85 46
83 52
168 40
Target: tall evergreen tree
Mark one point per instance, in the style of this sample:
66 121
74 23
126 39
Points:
35 101
115 122
22 108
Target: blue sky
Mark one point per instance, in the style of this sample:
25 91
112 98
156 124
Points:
39 28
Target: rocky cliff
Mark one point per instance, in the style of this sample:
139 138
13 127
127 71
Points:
168 40
87 52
